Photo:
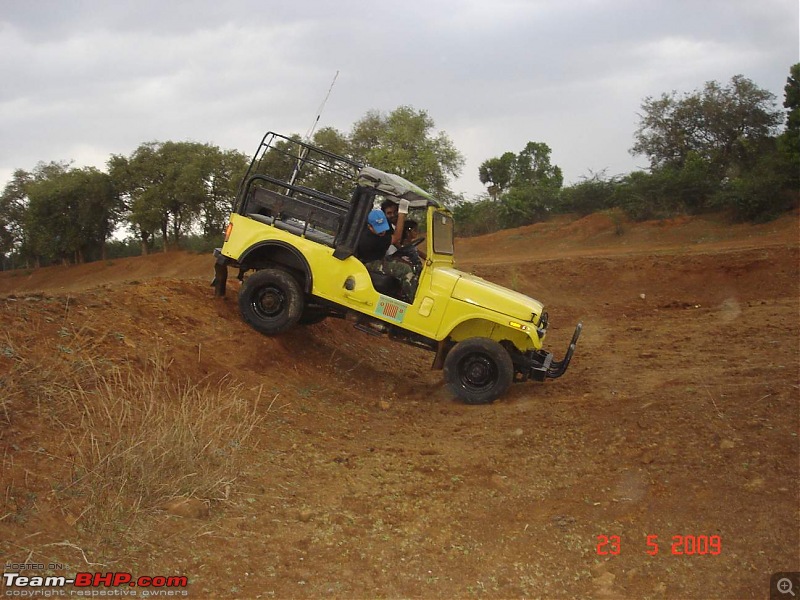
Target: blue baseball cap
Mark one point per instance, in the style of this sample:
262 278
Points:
377 218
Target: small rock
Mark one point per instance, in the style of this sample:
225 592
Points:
599 569
726 444
642 296
499 482
187 507
385 405
647 458
604 580
517 432
755 484
305 515
660 587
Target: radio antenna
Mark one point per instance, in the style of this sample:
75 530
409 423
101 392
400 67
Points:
309 133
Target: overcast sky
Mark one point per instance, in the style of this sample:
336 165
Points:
84 79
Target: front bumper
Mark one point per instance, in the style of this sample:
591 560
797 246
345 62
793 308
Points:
539 365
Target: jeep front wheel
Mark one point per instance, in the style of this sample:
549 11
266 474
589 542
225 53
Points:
271 301
478 370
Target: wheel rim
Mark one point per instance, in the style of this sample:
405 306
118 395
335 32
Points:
269 302
477 372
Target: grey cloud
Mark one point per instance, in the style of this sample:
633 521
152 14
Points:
93 78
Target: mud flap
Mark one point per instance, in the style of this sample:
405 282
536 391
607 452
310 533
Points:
442 348
220 273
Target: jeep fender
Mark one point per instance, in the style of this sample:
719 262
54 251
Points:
482 327
280 253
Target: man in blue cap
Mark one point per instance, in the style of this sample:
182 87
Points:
372 247
374 241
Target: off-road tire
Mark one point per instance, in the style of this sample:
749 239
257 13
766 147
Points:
478 370
271 301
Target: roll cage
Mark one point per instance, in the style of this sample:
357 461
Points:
306 190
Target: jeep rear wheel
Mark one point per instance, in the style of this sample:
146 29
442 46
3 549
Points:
271 301
478 370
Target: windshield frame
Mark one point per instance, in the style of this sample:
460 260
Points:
441 229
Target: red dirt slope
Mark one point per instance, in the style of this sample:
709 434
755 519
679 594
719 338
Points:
364 478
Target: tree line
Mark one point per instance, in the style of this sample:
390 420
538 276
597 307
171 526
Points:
719 148
716 148
179 194
60 214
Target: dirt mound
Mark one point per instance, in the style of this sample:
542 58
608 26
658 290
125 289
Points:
341 466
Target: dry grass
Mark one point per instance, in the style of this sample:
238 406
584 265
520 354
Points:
138 438
124 439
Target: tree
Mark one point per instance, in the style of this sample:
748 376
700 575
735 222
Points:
168 187
526 184
70 213
727 127
533 167
404 142
13 203
329 179
498 173
593 193
222 172
790 140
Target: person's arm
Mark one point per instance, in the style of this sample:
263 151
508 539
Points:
402 211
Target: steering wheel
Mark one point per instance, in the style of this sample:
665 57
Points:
413 244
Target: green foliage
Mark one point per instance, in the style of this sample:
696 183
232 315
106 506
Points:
716 149
727 127
334 141
169 187
70 213
404 142
792 102
13 203
789 141
667 191
525 204
478 217
498 173
764 192
523 187
533 168
593 194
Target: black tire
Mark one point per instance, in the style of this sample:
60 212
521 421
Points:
271 301
478 370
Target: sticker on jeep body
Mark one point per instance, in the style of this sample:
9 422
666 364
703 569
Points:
391 308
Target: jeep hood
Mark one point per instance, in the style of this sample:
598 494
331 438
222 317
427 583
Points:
474 290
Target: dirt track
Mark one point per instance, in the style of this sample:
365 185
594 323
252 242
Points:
678 417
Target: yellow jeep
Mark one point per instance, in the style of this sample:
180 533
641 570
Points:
294 238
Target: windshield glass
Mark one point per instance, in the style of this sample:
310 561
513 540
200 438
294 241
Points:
442 233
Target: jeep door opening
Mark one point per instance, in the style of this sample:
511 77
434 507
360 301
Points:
294 230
